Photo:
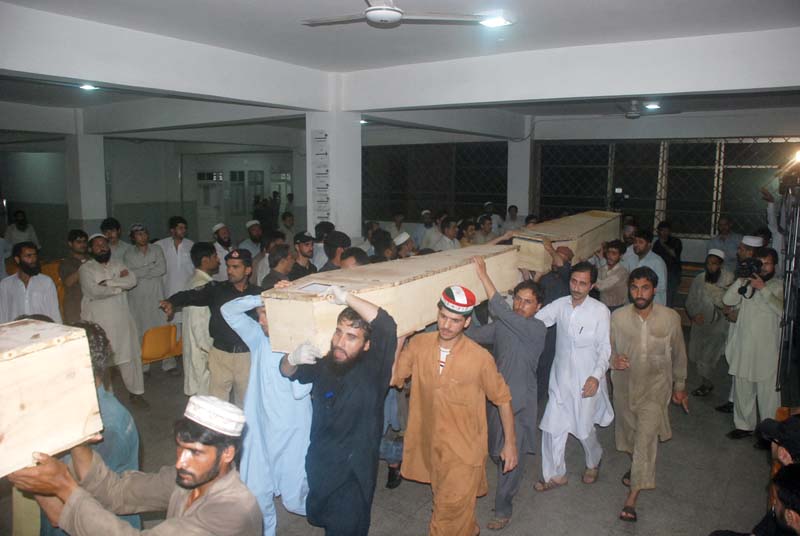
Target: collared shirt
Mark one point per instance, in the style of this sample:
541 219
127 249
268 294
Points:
214 295
555 283
271 278
729 244
445 244
15 235
222 274
119 250
179 264
5 252
227 508
250 246
39 297
612 284
347 421
298 270
657 264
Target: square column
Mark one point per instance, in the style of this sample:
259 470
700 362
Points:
333 170
86 182
519 172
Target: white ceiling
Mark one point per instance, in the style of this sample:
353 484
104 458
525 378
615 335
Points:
272 28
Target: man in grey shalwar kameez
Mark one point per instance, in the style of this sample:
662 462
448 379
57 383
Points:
517 339
709 325
147 262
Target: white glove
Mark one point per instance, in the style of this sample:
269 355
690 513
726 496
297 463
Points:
339 294
305 354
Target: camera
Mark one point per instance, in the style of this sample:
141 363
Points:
748 268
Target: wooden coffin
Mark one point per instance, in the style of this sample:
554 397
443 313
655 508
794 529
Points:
582 233
48 400
409 289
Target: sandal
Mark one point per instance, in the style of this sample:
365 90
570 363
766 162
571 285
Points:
498 523
549 485
628 514
626 479
590 474
703 390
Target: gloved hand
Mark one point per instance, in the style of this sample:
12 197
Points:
339 294
305 354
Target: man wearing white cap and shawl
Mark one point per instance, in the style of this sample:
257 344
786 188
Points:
446 441
427 223
202 493
405 245
223 243
754 344
253 241
709 326
104 285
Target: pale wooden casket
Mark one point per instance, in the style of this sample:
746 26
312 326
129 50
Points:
48 400
409 290
583 233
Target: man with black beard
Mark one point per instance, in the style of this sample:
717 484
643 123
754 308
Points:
223 243
648 358
104 283
28 292
349 386
202 493
20 230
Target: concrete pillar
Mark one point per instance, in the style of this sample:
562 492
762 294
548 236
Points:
299 179
85 181
341 165
519 172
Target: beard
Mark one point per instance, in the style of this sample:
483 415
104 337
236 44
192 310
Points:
767 277
30 269
340 368
198 481
642 303
713 277
224 243
102 258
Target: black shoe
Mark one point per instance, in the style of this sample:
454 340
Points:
762 444
703 390
394 479
738 434
138 401
727 407
174 372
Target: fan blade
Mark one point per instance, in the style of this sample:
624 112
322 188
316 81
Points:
342 19
442 17
379 3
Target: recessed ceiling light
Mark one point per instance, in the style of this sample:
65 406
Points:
89 87
363 122
652 106
495 22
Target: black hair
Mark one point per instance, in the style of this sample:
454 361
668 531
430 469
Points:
530 218
99 346
619 245
323 229
271 236
534 287
199 251
446 223
645 234
787 484
286 214
585 267
762 253
382 242
18 211
75 234
644 272
110 223
358 254
35 316
350 316
484 218
174 221
515 207
277 254
765 232
664 225
16 251
188 431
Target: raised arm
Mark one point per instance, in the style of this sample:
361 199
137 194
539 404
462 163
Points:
235 314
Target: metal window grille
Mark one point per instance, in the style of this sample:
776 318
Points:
457 177
689 182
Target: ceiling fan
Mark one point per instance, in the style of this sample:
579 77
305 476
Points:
384 13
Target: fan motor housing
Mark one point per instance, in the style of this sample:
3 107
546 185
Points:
383 15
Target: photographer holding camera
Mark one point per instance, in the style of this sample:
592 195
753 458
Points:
753 347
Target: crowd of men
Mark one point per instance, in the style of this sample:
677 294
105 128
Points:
319 420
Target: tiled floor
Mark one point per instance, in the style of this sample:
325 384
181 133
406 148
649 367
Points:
705 481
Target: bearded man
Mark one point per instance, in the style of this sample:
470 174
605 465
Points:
28 291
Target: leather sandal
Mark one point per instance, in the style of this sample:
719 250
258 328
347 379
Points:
549 485
498 523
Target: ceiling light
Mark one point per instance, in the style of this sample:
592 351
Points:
89 87
495 22
363 122
652 106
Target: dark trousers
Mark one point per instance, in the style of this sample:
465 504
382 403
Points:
546 362
508 484
344 512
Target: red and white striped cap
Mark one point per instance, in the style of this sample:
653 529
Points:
458 299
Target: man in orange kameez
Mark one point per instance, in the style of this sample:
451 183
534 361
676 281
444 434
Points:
446 441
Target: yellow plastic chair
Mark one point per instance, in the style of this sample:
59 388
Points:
160 343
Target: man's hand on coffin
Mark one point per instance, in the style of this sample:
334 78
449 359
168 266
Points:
48 477
283 284
338 293
305 354
480 266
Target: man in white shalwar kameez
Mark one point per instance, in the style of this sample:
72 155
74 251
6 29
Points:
105 302
224 245
197 340
578 395
149 266
28 291
278 415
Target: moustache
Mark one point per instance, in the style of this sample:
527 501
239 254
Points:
184 472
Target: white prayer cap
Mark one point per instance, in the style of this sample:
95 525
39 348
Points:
402 238
425 211
752 241
251 223
96 235
217 227
717 253
486 204
215 414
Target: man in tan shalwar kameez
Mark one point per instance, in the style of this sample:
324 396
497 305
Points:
446 442
649 368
